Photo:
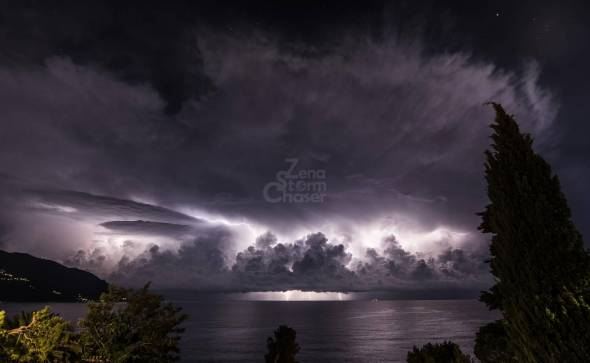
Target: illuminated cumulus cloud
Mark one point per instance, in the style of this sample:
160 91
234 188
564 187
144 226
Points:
308 264
200 265
315 264
395 265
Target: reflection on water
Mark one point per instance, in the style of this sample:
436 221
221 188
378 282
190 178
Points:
222 330
296 295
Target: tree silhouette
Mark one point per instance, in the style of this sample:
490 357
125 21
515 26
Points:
541 269
445 352
143 328
283 347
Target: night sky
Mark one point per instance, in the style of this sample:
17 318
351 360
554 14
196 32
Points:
137 141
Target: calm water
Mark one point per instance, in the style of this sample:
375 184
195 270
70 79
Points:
328 331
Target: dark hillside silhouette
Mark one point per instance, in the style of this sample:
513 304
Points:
27 278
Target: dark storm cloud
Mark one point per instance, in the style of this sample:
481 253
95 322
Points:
93 260
138 43
309 263
382 120
200 264
421 120
397 263
399 132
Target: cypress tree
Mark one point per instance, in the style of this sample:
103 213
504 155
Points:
538 260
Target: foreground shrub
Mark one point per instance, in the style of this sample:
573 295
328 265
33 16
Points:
491 344
283 347
38 337
131 326
123 326
446 352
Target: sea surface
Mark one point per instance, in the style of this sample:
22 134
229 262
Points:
225 330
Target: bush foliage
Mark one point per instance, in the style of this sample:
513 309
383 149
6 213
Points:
283 347
446 352
122 326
